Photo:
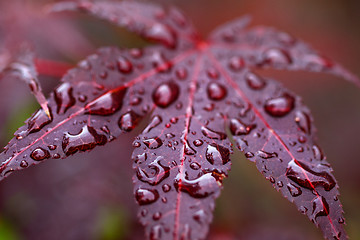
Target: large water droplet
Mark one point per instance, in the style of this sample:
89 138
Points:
198 188
294 190
216 91
40 154
212 134
107 104
217 154
254 81
124 65
146 196
153 143
277 57
305 177
64 98
320 208
158 172
165 94
155 121
162 33
39 120
237 127
281 106
86 139
128 121
303 121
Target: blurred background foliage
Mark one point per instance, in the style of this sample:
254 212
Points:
89 196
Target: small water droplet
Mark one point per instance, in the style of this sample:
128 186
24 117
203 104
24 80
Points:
107 104
237 127
153 143
305 177
165 94
200 216
38 121
162 33
169 135
318 154
249 154
341 220
188 150
280 184
140 158
56 156
159 172
181 73
156 232
135 101
103 74
277 57
146 196
128 121
124 65
212 73
303 209
281 106
159 62
52 147
303 121
317 62
216 91
236 63
195 166
266 155
24 164
136 52
294 190
157 216
198 142
155 121
166 187
217 154
212 134
254 81
136 144
40 154
198 188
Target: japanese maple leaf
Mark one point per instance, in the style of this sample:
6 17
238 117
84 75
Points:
193 90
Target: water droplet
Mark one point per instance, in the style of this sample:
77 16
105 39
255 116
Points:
144 212
212 73
156 232
341 220
128 121
294 190
318 154
56 156
200 216
146 196
136 144
166 187
24 164
157 216
107 104
198 142
303 121
237 127
86 139
277 57
162 33
216 91
236 63
165 94
64 98
188 150
209 107
169 135
198 188
249 154
212 134
153 143
136 52
181 73
195 166
135 101
103 74
40 154
159 62
159 172
255 81
155 121
303 209
39 120
281 106
317 62
320 208
140 158
266 155
305 177
217 154
280 184
124 65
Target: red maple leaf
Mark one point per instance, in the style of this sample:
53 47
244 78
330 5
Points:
194 90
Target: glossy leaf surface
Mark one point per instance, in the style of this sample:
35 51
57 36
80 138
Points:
193 91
